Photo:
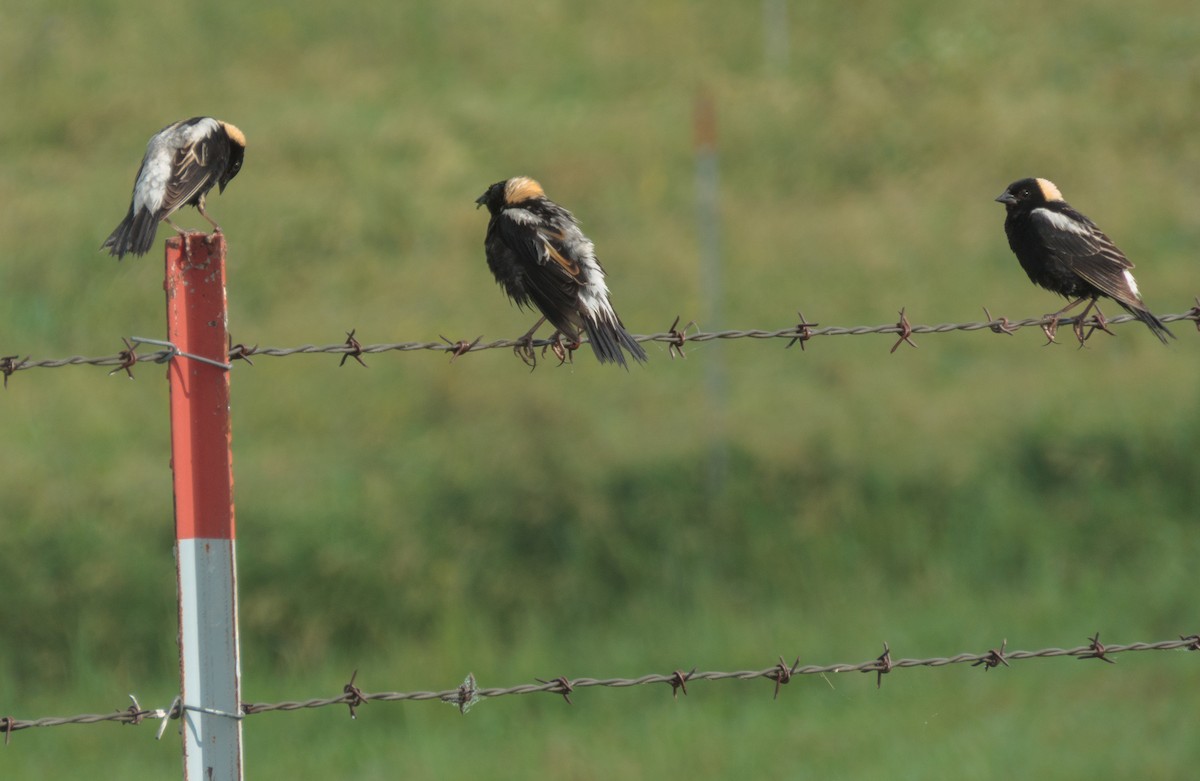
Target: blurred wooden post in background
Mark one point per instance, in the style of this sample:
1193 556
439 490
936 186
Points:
776 36
210 675
708 226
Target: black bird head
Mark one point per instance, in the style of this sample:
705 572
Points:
510 192
1029 192
237 152
493 198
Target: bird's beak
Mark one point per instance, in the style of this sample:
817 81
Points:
481 200
1006 197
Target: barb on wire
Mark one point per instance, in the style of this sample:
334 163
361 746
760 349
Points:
783 674
469 693
998 325
804 331
129 359
10 364
466 696
355 695
561 686
906 332
883 665
679 681
674 338
995 657
1098 651
353 349
136 714
1193 314
461 347
677 338
240 352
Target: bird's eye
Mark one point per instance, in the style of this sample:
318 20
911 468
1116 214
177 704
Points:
1024 193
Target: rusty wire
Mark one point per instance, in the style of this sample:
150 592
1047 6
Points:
469 693
802 333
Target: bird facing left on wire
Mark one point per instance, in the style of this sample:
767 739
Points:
183 162
540 257
1064 252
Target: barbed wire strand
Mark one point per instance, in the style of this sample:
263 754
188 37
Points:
469 693
675 338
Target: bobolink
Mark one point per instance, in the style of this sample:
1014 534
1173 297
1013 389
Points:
183 162
539 255
1064 252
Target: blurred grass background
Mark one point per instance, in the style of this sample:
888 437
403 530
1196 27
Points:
418 520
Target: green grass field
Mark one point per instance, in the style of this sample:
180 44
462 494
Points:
418 520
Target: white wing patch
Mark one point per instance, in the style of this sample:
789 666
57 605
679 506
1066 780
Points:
522 216
190 135
593 296
1132 283
1062 222
151 186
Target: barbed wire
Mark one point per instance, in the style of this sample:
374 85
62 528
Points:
675 338
468 694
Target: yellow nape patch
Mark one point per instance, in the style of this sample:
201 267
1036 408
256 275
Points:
234 133
522 188
1049 191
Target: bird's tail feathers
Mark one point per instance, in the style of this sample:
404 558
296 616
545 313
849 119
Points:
135 235
1152 322
608 337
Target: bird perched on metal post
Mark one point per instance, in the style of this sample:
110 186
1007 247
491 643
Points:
183 162
540 257
1064 252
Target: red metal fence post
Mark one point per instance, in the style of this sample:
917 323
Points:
210 674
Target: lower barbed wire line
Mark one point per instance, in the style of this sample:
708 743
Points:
780 674
805 332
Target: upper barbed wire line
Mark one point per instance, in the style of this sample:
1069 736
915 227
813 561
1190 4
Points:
469 693
10 364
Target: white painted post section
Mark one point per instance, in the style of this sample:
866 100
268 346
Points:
210 675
